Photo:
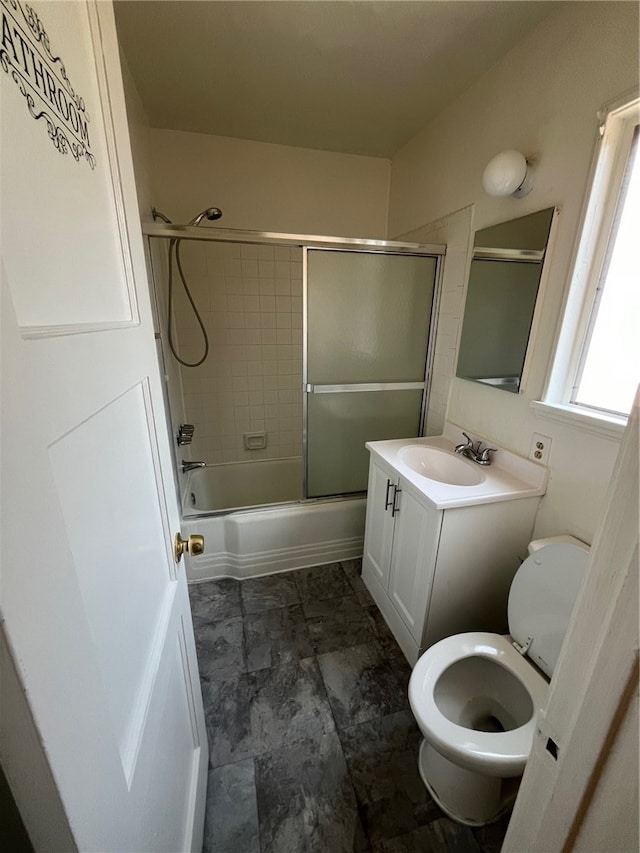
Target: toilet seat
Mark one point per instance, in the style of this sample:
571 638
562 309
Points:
493 753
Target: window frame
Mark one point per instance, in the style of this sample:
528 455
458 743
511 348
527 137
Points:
616 125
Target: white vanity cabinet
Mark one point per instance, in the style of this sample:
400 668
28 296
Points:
380 522
400 545
434 572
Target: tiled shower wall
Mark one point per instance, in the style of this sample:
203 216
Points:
250 299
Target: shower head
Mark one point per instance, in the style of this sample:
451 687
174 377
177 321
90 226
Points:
210 213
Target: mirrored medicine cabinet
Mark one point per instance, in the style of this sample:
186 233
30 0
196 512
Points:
504 280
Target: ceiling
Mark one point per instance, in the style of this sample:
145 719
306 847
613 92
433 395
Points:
356 77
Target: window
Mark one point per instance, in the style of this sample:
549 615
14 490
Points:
609 365
597 365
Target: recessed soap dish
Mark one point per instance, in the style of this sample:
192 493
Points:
254 440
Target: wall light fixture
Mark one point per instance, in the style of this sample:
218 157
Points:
508 173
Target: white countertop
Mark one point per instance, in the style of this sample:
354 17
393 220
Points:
509 476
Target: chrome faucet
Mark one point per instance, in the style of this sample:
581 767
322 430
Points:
464 448
191 466
482 457
185 434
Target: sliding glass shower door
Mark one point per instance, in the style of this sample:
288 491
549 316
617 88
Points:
368 318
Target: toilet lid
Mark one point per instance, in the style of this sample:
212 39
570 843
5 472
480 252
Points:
541 600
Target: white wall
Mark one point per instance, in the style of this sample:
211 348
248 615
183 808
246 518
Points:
139 138
541 98
26 767
265 187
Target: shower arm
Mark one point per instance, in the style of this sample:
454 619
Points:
158 214
210 213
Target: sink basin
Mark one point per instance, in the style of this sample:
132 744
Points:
440 465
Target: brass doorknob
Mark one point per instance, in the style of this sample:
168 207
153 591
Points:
194 546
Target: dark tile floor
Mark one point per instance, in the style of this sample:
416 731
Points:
313 745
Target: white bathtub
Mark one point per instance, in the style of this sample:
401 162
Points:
259 542
233 485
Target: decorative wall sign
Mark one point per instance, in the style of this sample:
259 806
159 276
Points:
26 56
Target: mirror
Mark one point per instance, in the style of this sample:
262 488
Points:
501 296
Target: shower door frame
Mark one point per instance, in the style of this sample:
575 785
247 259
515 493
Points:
354 388
306 242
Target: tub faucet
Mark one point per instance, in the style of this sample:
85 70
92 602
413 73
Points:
191 466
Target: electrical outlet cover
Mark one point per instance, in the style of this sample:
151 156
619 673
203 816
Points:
540 448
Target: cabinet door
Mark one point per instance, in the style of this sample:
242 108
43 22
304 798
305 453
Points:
378 537
415 545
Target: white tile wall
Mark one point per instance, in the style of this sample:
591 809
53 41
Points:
250 299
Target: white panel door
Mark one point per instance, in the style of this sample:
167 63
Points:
378 538
413 561
95 609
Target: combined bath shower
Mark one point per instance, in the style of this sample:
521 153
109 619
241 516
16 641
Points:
211 213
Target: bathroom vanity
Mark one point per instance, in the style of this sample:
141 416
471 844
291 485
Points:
444 536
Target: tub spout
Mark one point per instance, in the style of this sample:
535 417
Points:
191 466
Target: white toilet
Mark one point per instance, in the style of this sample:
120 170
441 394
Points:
476 696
